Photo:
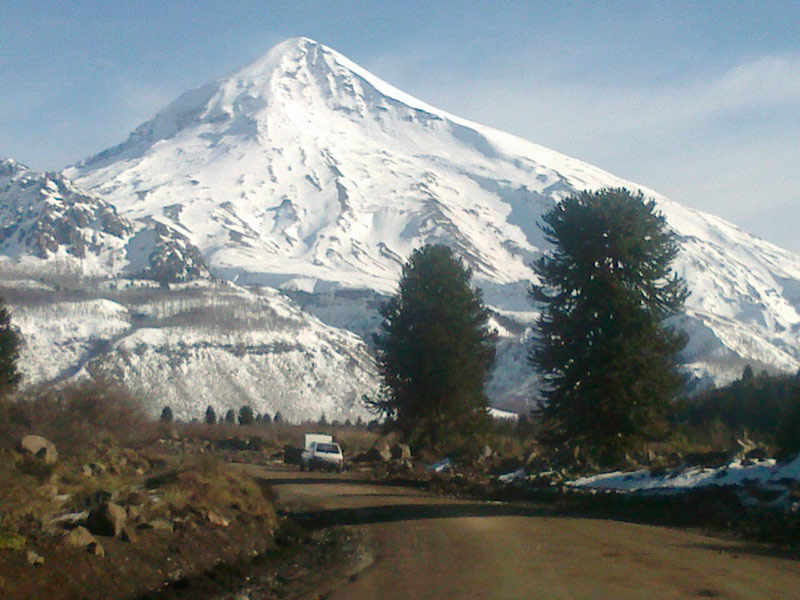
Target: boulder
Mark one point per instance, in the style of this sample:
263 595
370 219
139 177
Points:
128 534
33 558
486 453
401 452
216 519
80 537
381 451
40 447
161 525
96 549
107 519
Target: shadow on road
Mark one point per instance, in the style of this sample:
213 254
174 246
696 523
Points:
747 549
316 519
313 480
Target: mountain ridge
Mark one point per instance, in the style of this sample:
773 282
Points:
305 172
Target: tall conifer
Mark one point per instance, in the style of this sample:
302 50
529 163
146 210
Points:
435 350
606 359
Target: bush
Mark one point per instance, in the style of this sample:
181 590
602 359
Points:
75 417
788 435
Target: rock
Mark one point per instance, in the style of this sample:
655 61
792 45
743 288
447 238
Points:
535 462
97 498
399 467
107 519
40 447
86 471
33 558
486 453
216 519
380 452
80 537
161 525
68 520
134 512
137 498
128 534
401 452
508 465
98 469
96 549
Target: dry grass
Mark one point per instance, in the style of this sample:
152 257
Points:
205 483
78 418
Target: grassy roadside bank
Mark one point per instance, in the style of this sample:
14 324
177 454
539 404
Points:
106 504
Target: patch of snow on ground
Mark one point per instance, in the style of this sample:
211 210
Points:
762 472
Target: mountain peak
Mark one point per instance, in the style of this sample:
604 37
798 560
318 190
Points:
306 171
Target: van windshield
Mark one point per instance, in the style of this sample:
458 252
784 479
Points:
329 448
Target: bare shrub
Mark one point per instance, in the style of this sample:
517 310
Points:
77 417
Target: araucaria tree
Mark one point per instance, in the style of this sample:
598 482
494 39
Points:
606 357
435 351
10 343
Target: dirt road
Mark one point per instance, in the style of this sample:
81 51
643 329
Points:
438 548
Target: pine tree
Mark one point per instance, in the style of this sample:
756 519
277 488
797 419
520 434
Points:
166 415
246 416
230 416
435 351
747 373
278 418
10 342
607 361
211 415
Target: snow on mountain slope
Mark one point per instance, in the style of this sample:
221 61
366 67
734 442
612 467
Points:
53 225
194 346
305 171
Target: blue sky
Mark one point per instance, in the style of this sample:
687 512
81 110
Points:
698 100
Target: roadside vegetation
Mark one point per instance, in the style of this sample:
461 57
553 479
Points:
97 501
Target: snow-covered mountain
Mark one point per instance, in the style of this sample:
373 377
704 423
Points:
189 346
47 221
305 172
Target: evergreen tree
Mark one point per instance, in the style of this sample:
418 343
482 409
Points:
211 415
788 434
266 419
166 415
10 342
230 416
435 351
607 361
322 420
747 373
246 416
278 418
